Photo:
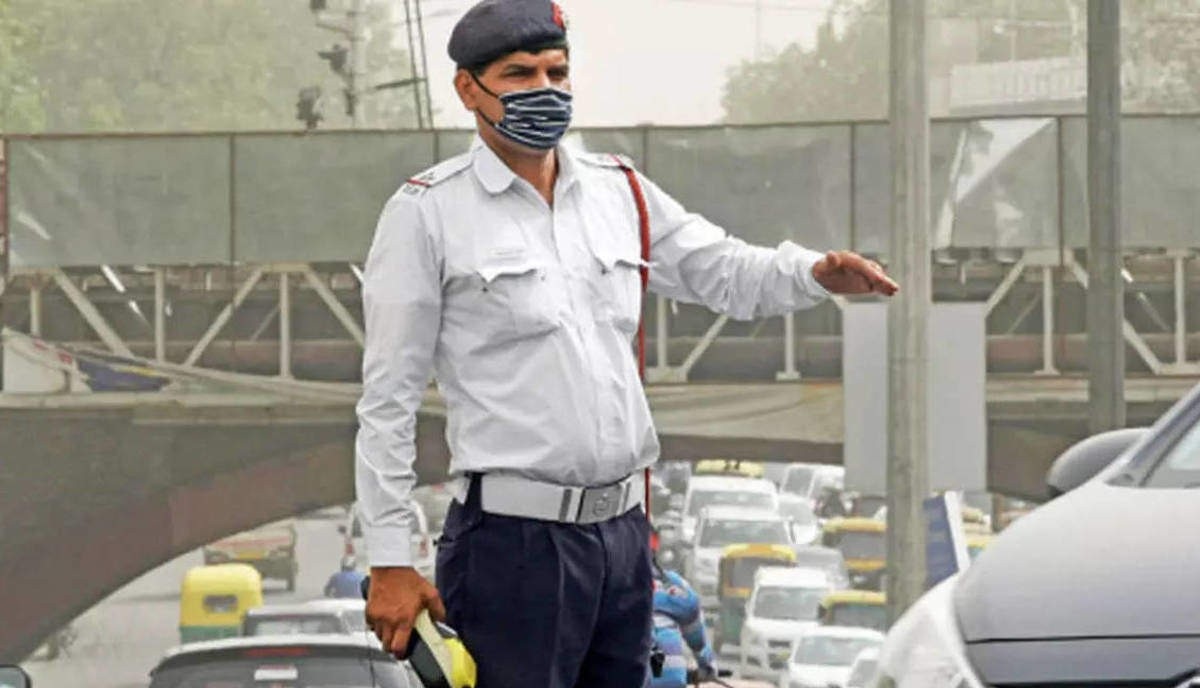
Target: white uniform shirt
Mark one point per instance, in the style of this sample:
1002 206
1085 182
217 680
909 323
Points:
525 314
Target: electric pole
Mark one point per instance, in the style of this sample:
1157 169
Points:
412 62
1106 291
908 311
356 50
346 63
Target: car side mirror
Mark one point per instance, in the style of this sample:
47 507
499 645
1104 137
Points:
1086 458
14 677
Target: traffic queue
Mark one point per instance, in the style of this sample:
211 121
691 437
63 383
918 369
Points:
786 567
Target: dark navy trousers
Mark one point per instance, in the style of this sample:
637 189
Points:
548 605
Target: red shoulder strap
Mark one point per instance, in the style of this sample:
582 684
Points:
639 199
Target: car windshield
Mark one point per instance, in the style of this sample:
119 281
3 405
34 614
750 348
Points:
722 533
871 616
788 603
702 499
1180 466
830 651
860 545
799 479
285 672
291 625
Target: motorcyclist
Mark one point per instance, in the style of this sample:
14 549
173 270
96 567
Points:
678 621
347 581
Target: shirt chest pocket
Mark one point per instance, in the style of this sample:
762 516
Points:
617 284
512 300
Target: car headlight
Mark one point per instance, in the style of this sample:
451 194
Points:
925 649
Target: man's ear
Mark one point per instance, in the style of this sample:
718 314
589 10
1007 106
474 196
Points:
465 86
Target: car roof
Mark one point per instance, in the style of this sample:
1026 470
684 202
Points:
844 632
790 577
332 640
315 608
739 513
337 604
701 483
818 553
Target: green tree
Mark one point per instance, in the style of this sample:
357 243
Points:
168 65
20 92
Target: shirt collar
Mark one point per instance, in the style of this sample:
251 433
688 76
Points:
496 176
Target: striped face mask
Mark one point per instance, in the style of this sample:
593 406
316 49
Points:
536 118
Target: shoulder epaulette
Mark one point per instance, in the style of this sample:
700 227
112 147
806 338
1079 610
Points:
613 160
435 175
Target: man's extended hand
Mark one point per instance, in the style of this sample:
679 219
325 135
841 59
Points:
397 595
843 272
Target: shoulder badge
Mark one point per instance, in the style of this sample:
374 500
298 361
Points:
435 175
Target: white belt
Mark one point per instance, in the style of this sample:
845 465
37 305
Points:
510 495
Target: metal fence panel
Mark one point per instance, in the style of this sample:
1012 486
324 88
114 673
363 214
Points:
1002 173
1160 182
317 198
118 201
763 184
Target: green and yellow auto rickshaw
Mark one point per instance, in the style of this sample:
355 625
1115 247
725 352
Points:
863 542
857 608
735 582
213 600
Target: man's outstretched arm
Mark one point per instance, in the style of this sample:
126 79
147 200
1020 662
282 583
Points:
695 261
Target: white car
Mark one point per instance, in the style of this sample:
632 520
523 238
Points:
782 606
720 527
823 655
424 554
800 517
283 660
864 669
722 490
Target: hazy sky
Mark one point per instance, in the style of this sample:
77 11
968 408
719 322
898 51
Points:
638 61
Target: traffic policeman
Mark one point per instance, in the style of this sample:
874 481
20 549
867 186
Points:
511 275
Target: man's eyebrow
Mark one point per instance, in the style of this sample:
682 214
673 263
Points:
516 69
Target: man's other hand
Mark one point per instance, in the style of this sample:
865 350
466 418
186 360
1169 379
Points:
843 272
397 595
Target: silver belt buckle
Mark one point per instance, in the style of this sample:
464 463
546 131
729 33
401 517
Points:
600 503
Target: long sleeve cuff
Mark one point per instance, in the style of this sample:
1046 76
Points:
388 545
805 260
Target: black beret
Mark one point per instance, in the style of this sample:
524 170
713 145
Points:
494 28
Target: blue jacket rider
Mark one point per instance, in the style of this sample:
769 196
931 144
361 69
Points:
678 620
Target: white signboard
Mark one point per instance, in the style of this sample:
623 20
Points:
957 396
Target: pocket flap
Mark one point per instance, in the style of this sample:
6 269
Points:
611 259
493 269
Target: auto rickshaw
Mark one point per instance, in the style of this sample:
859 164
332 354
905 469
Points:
863 542
977 543
858 608
731 467
735 582
213 600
